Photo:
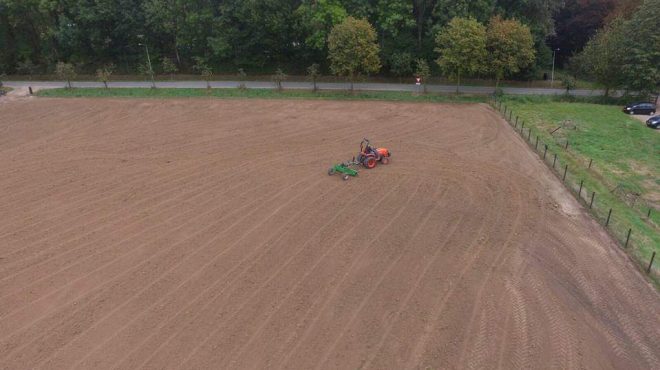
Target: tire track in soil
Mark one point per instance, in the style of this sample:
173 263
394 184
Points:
11 346
112 255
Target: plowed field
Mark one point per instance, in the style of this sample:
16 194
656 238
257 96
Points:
207 234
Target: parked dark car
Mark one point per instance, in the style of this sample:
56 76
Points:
653 122
639 108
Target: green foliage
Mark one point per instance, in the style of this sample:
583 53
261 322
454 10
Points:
603 56
353 49
641 61
510 47
204 70
26 67
278 78
242 77
401 64
313 73
568 82
317 19
620 147
169 67
260 94
103 74
65 71
462 48
423 71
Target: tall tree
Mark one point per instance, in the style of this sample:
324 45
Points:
317 19
603 56
510 47
353 49
461 46
641 62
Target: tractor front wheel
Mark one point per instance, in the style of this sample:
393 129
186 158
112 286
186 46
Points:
370 162
385 160
346 177
331 171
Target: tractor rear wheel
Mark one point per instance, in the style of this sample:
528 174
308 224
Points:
369 162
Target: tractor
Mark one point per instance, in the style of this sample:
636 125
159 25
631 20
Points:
370 156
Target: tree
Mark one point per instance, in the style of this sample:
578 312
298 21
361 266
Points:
278 78
641 59
242 76
65 71
401 64
462 48
603 57
353 49
204 70
103 74
313 73
510 47
146 70
26 67
317 19
569 83
169 67
423 71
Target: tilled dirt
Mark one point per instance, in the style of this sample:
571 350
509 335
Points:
206 234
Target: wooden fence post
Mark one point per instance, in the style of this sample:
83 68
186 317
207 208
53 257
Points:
537 144
554 161
580 191
590 162
565 170
529 134
628 238
648 269
545 151
591 204
607 222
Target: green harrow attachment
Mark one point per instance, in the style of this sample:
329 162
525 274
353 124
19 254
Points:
344 169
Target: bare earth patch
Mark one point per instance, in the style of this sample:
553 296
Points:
207 234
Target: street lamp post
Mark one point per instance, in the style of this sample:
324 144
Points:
552 79
151 70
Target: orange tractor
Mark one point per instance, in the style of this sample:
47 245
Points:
370 156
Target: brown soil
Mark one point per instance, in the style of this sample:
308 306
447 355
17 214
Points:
206 234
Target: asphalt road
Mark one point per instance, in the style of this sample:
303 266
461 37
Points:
306 85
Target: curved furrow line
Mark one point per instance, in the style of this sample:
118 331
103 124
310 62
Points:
416 230
186 279
134 275
79 266
420 344
27 352
57 250
158 182
497 262
423 276
53 250
131 337
307 268
335 289
205 342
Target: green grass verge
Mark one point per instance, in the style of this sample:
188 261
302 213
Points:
6 89
625 169
257 93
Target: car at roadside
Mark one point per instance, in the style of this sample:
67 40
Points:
640 108
653 122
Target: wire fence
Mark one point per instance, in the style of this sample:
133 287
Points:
583 189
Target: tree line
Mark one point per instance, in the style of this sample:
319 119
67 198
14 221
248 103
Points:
258 36
625 54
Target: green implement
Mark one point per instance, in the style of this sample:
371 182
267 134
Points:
344 169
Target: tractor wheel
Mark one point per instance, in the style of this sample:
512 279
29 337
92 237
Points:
369 162
346 177
385 160
331 171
